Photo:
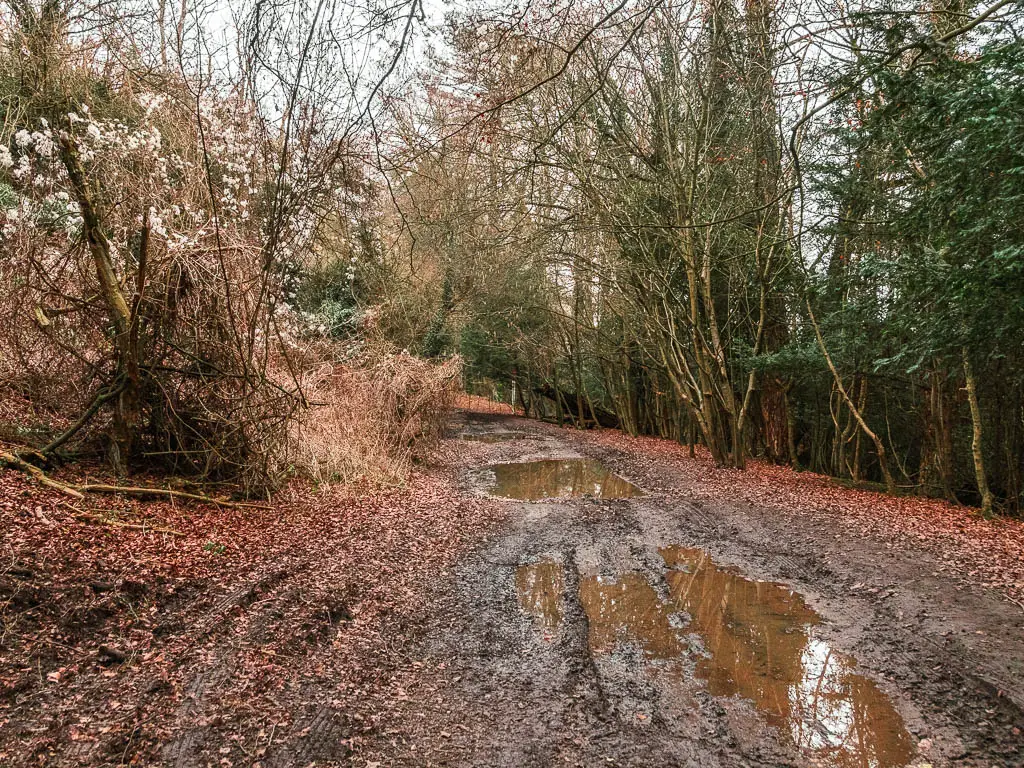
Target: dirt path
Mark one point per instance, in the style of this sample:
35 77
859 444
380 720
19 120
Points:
566 638
428 625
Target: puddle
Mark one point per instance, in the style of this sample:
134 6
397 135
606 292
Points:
539 587
760 644
490 437
628 610
557 479
762 648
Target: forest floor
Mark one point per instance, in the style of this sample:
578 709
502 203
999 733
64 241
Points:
711 621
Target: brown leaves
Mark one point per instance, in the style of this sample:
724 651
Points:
277 605
986 552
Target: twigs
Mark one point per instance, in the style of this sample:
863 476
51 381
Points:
143 492
84 419
94 517
13 462
75 491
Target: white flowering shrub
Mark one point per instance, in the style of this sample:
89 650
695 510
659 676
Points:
172 267
200 220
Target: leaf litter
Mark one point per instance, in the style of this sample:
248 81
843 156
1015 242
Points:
244 636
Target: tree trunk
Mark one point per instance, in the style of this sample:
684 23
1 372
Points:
564 400
794 457
127 407
883 462
976 449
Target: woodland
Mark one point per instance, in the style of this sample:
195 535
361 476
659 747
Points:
262 261
244 245
776 231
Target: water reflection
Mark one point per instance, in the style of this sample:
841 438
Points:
558 478
761 644
762 648
539 587
629 611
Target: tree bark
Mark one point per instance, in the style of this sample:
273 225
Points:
883 462
976 441
126 410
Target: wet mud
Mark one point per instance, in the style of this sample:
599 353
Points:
748 638
490 437
554 479
762 646
652 630
540 587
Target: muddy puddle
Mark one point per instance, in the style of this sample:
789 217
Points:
556 479
629 611
759 643
490 437
539 587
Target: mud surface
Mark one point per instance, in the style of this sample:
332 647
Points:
657 631
553 479
490 436
434 625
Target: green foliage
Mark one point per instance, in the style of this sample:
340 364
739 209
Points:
962 261
483 348
438 339
797 360
8 197
328 292
936 254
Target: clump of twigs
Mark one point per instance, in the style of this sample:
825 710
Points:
368 420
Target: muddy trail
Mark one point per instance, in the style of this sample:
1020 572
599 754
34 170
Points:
537 597
613 620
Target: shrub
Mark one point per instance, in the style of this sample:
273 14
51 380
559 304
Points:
370 419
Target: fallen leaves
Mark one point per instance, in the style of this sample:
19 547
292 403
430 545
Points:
985 552
277 605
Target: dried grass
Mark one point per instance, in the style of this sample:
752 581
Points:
369 420
480 404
